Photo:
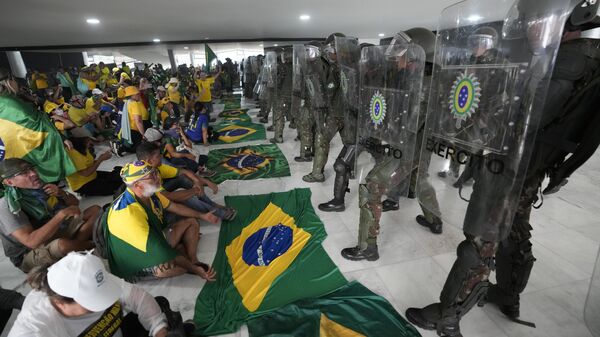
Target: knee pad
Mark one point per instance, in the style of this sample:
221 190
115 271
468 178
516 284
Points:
340 166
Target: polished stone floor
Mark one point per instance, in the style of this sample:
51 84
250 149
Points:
414 263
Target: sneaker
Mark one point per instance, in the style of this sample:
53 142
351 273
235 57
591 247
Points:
116 148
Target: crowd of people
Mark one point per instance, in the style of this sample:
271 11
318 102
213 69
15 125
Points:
149 231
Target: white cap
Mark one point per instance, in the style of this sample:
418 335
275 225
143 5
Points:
97 92
173 80
161 88
82 277
152 135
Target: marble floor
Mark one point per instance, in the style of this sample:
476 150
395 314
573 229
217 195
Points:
414 263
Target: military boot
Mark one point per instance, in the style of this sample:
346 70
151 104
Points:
276 140
389 205
314 178
334 205
371 253
270 128
435 226
264 120
430 318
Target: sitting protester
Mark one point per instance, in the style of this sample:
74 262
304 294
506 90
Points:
83 117
139 242
132 122
88 180
192 193
39 224
77 296
56 107
199 131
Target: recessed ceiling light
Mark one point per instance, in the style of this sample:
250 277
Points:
276 45
206 38
260 45
381 35
155 40
92 21
186 48
304 17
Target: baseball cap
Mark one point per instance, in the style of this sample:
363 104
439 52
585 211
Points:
82 277
173 80
97 92
12 166
152 135
135 171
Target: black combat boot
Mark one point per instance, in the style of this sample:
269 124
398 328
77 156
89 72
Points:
334 205
371 253
270 127
264 120
389 205
435 227
430 318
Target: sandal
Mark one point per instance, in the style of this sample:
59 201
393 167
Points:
230 214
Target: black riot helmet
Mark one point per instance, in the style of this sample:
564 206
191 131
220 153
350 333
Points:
329 48
426 39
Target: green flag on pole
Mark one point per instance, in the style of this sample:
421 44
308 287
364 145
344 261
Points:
270 255
27 133
210 56
247 163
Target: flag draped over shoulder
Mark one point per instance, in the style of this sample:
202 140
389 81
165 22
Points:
351 311
248 162
238 132
28 134
269 256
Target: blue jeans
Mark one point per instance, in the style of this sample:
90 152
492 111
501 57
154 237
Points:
204 204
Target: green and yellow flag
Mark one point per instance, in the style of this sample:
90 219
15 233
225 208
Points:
210 56
351 311
247 163
269 256
27 133
239 132
233 116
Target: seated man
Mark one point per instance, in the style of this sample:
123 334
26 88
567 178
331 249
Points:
140 244
77 297
192 195
39 224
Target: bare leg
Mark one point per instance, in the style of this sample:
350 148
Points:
186 232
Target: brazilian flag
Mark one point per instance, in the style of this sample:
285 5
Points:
350 311
239 132
270 255
247 163
234 116
29 134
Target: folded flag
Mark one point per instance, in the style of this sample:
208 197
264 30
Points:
269 256
247 163
239 132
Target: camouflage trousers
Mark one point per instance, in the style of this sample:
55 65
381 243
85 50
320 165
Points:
326 130
279 114
306 131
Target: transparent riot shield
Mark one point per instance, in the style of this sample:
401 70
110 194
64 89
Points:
314 81
592 303
489 84
271 69
348 54
298 70
259 87
388 109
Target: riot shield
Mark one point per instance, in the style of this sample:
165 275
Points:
298 69
271 69
592 303
348 53
388 109
486 97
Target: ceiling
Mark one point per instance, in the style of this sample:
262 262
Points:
29 23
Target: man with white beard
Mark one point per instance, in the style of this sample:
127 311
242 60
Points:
140 244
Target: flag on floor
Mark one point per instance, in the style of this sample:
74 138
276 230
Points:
351 311
238 132
268 257
230 105
28 134
235 116
247 163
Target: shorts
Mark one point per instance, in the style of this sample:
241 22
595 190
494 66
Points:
49 253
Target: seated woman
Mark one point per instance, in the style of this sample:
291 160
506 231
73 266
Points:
199 131
88 180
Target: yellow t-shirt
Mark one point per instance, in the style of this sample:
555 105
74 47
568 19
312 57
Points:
205 84
41 81
90 84
89 106
81 162
121 92
77 115
167 171
135 109
49 106
174 94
